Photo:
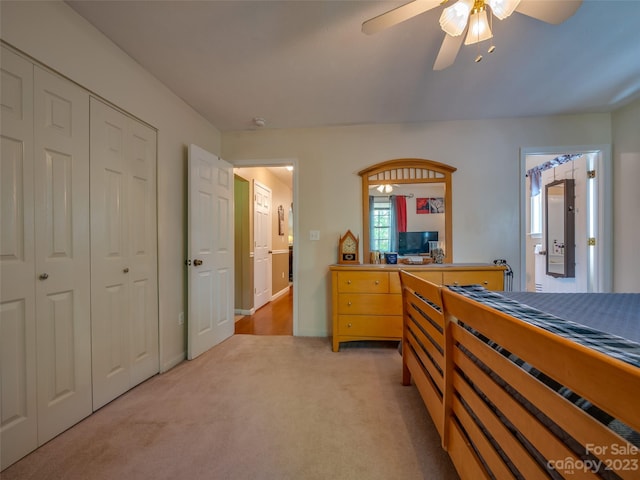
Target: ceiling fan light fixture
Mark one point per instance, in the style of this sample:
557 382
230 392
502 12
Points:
384 188
478 28
503 8
454 18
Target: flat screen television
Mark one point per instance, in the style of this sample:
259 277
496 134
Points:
415 243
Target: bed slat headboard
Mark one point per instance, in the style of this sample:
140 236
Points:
511 400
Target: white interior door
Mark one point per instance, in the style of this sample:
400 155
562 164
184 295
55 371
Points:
124 302
18 427
210 251
585 260
61 181
261 244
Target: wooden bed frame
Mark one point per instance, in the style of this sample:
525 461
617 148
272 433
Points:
484 428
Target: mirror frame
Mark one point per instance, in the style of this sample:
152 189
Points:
407 171
568 227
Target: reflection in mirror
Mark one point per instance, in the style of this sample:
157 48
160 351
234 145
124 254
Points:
560 228
407 207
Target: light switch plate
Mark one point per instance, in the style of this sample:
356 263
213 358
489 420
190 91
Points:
314 234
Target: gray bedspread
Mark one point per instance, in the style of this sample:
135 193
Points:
615 313
609 323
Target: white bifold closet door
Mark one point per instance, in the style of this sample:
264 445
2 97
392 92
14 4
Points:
45 312
124 291
63 319
19 425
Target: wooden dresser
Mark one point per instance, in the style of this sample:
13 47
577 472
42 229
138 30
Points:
367 299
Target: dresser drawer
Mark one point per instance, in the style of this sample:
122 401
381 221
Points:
491 280
363 282
369 304
370 326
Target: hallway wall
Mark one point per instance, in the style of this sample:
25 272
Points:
282 194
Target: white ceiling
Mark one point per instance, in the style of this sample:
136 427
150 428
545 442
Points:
306 63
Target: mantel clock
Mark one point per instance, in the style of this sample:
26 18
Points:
348 248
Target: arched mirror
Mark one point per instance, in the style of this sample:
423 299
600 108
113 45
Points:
406 203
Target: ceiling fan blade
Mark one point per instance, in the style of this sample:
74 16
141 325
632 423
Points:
448 51
397 15
549 11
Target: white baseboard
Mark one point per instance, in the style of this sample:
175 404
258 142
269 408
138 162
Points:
172 362
239 311
279 294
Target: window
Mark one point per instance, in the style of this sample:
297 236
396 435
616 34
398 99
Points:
380 230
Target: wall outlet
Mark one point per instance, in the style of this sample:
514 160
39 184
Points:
181 318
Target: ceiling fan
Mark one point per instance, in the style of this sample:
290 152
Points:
384 187
471 16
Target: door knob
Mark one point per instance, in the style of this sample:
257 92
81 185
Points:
44 276
197 262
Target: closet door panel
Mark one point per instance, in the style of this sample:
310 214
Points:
18 425
110 271
142 215
61 179
124 246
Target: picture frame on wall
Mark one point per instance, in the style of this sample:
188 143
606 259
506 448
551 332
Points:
280 220
422 205
436 205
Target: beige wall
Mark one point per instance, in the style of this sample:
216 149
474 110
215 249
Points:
486 186
280 272
52 33
282 194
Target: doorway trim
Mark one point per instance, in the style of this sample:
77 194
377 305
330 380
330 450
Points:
279 162
605 207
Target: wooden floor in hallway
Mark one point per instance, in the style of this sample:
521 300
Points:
274 318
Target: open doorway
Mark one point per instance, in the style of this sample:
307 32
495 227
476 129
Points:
590 168
266 260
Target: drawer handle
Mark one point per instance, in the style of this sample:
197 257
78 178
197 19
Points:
455 283
486 282
44 276
377 282
349 303
349 325
348 282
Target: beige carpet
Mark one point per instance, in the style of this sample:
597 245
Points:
256 407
